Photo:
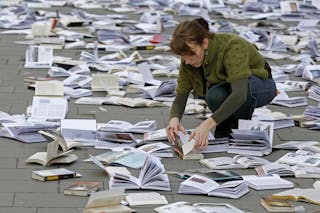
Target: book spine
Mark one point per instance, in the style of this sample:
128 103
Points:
58 177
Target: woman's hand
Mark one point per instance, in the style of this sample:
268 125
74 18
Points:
173 128
200 134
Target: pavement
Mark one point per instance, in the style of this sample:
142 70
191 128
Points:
20 193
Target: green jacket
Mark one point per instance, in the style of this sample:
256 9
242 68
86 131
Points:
228 58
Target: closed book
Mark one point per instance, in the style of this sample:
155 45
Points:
81 188
276 205
53 174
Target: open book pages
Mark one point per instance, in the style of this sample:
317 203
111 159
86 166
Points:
108 157
267 182
309 195
49 88
156 135
302 158
104 82
292 86
64 144
216 145
144 69
156 148
39 57
112 100
77 80
82 130
145 198
119 137
185 147
283 99
287 170
139 102
304 145
165 89
110 170
49 108
52 156
279 119
107 201
30 137
314 93
238 161
152 176
124 126
252 138
198 184
186 207
312 73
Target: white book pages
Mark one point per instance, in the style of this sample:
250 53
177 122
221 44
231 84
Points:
49 108
144 69
39 57
49 88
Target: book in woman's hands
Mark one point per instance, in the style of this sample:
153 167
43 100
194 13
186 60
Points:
238 161
54 174
309 195
51 156
185 147
124 126
151 177
198 184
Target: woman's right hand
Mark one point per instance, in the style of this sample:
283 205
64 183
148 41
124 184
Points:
173 128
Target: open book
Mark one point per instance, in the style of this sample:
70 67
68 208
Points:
198 184
156 135
48 88
151 177
65 144
185 148
252 138
107 201
124 126
145 198
286 170
49 108
51 156
39 57
238 161
186 207
165 91
157 149
309 195
303 158
267 182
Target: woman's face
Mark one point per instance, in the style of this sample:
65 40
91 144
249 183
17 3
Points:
197 58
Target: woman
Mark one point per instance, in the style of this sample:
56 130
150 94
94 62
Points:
224 69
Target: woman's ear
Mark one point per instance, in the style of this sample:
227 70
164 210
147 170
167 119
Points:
205 43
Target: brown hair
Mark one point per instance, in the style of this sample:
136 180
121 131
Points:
189 32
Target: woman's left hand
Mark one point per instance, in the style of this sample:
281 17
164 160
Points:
200 134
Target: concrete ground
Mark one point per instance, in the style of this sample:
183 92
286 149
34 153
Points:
20 193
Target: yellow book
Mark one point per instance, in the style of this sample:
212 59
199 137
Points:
309 195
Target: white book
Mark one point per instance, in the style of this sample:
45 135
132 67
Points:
124 126
101 82
49 88
152 176
289 7
238 161
165 89
307 159
312 73
156 135
39 57
139 102
267 182
112 100
197 184
82 130
76 80
298 145
144 69
51 156
145 198
49 108
110 170
158 149
185 148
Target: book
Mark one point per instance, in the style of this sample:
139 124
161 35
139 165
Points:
279 119
156 135
198 207
152 176
301 158
313 146
107 201
51 156
124 126
309 195
157 149
252 138
49 107
267 182
48 88
65 144
145 198
110 170
238 161
159 93
198 184
287 170
81 188
82 130
39 57
138 102
276 205
119 137
185 148
54 174
312 73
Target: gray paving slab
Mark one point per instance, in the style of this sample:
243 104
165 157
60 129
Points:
28 186
59 210
17 210
6 199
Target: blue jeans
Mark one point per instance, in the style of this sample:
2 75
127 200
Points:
260 93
